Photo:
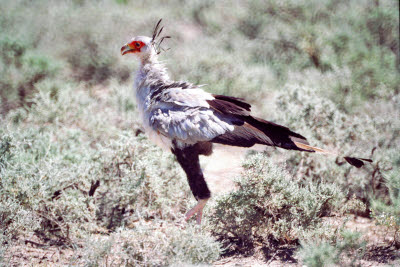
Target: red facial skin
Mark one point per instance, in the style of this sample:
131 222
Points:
132 47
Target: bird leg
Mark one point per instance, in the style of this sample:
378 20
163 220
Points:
188 158
197 209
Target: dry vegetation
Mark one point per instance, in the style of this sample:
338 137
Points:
79 179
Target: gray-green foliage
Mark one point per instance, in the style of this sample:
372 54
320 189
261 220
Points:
387 211
271 202
21 69
347 250
156 245
319 255
332 37
50 165
140 182
324 125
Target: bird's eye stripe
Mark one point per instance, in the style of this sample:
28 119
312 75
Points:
136 44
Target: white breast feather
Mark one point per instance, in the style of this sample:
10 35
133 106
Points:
177 114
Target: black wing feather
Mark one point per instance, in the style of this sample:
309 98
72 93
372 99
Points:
250 130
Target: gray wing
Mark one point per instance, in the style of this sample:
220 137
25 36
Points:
186 116
193 115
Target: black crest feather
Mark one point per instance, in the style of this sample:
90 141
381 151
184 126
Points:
156 33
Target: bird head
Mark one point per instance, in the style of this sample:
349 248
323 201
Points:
143 46
139 45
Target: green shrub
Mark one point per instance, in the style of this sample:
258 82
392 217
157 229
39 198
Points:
386 211
317 255
151 245
347 250
139 181
65 177
87 59
50 166
22 68
5 150
324 125
269 202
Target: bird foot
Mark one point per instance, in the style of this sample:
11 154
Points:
198 209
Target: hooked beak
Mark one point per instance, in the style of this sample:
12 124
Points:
127 49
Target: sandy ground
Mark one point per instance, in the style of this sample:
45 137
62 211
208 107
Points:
223 166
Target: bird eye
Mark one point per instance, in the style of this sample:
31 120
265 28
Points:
137 44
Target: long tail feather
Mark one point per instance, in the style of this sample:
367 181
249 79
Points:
313 148
249 130
356 162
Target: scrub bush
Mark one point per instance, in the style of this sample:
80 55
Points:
269 202
152 245
386 211
87 59
21 69
61 186
347 250
324 125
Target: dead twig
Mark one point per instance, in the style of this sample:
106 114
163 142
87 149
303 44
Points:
57 193
93 187
35 243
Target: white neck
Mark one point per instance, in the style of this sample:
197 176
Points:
151 71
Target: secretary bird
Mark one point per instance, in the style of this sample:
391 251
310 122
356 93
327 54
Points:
187 120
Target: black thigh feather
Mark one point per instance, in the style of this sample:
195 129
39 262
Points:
188 158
